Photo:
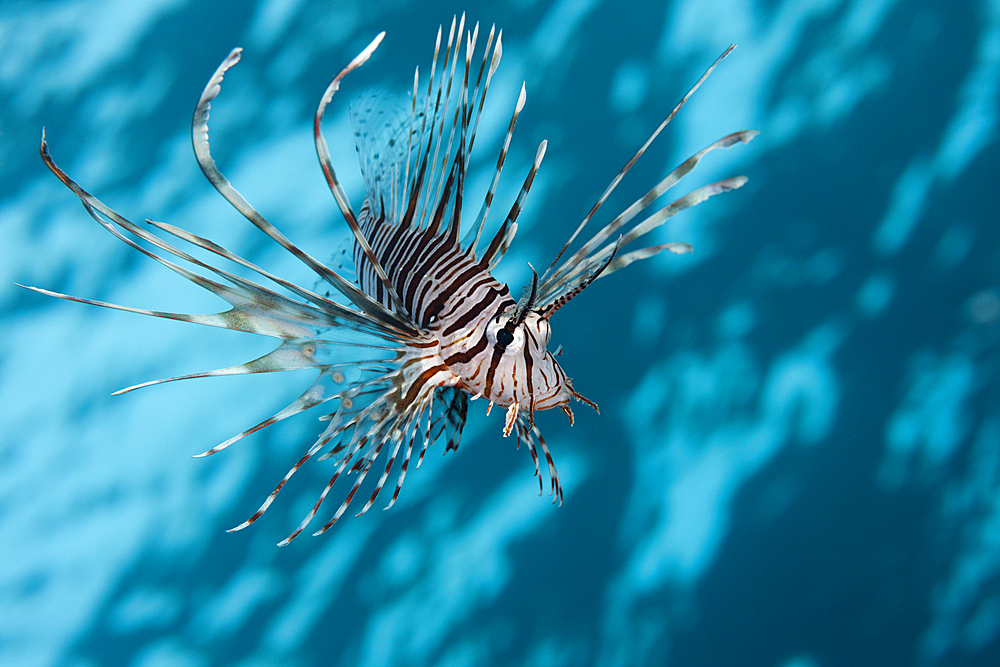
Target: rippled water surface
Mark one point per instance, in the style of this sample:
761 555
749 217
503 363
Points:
797 462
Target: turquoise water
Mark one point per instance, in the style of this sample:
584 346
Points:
797 460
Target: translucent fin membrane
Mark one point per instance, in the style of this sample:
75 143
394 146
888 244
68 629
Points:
368 358
529 434
415 153
385 380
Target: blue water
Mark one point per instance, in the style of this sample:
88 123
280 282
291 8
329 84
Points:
797 460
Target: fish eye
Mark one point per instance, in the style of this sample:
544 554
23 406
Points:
504 338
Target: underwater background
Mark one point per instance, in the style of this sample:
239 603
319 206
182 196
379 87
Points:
797 460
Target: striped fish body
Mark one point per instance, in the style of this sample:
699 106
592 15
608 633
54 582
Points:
425 328
460 306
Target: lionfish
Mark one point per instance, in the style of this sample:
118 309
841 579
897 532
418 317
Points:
425 327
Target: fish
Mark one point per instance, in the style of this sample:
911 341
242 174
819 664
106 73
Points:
423 327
